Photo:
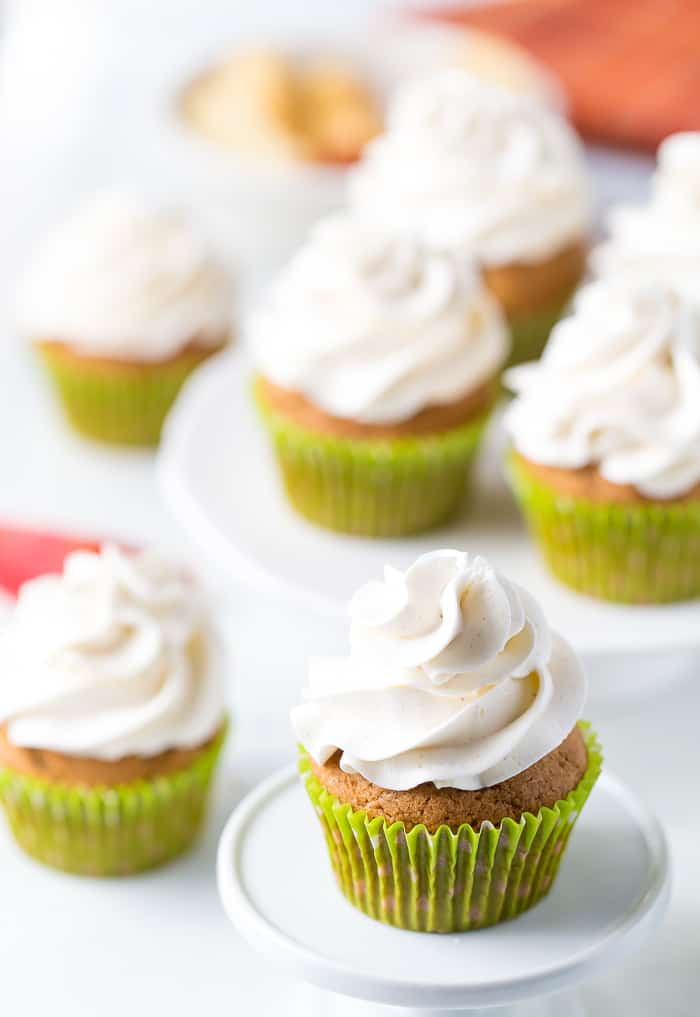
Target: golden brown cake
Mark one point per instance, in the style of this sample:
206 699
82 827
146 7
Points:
524 288
86 772
589 484
545 782
431 420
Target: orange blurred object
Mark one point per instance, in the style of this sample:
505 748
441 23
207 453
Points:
630 68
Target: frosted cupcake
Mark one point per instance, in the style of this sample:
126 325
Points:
606 437
378 366
659 241
121 304
491 174
111 714
444 756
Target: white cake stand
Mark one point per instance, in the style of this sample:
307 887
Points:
219 478
277 888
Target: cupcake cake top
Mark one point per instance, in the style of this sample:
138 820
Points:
472 166
112 658
121 281
618 387
372 326
453 678
660 240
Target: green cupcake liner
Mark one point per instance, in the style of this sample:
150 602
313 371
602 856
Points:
646 553
447 881
122 404
530 332
109 831
373 487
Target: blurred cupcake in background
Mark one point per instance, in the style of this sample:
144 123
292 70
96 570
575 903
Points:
121 304
324 107
111 714
491 174
502 62
378 367
444 756
659 242
606 438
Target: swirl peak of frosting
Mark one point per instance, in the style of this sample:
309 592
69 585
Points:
659 242
371 325
124 281
453 677
471 166
113 657
618 387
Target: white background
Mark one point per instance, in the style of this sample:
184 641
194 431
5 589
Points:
72 119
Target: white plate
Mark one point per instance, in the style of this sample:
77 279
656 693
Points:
279 892
220 480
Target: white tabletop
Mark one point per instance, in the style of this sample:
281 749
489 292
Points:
74 948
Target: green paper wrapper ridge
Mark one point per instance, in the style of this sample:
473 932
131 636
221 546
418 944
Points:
636 554
118 404
529 332
109 831
373 487
447 881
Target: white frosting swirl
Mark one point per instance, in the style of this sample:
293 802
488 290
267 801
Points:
118 280
453 678
112 658
473 167
618 386
373 327
659 242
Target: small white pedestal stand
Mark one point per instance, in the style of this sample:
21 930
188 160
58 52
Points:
277 888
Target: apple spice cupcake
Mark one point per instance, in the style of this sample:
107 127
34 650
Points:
111 714
379 363
606 445
659 241
443 755
121 304
488 173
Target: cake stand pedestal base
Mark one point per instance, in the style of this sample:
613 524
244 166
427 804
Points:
313 1002
277 888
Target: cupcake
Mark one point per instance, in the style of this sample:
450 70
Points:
111 714
659 241
444 756
606 444
121 304
378 365
488 173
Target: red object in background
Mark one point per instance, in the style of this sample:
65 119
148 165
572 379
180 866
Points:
630 68
26 553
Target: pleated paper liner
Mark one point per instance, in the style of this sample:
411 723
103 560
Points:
373 487
118 403
448 881
529 332
635 554
110 831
